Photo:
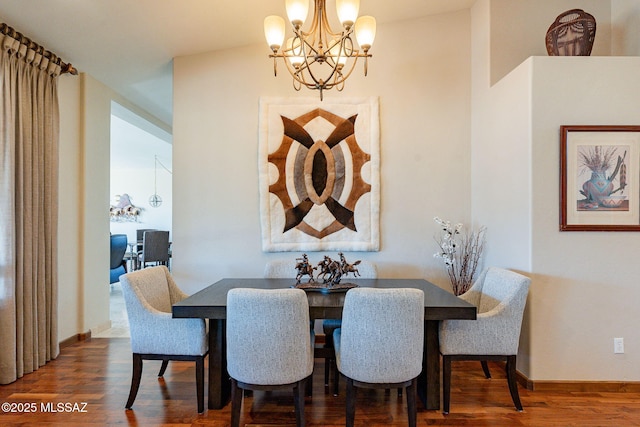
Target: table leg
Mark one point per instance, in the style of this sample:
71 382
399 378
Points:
219 382
429 380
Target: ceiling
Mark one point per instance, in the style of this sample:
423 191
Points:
129 44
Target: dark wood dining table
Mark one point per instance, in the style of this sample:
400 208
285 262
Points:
211 303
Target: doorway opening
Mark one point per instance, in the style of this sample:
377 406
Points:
140 192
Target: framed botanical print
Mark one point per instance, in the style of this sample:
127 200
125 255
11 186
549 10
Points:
600 178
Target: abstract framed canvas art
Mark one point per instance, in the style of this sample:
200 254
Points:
319 174
600 178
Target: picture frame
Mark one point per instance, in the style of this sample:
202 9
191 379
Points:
599 178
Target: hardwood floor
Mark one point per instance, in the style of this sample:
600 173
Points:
98 372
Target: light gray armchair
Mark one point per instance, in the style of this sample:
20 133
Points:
380 343
500 296
269 344
155 335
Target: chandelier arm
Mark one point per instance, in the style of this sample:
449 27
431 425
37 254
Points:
304 45
324 22
331 57
298 75
297 50
319 83
341 77
308 61
339 81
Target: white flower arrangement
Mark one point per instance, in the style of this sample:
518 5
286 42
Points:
460 250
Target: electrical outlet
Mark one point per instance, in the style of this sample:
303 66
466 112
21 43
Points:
618 345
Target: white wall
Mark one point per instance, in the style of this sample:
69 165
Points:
625 27
519 28
583 283
94 242
69 208
83 246
133 172
586 282
501 160
421 72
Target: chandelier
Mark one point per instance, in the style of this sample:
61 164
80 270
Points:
320 58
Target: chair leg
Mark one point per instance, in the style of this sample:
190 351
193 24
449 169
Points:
135 379
485 368
330 363
351 403
446 383
200 383
511 379
336 377
327 365
298 402
236 403
308 388
163 368
412 408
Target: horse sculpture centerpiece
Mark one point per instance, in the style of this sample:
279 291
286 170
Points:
330 273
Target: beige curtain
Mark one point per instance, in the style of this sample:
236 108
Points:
28 210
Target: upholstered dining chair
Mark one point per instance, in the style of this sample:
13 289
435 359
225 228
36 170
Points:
155 335
155 248
285 269
118 265
380 343
269 344
280 269
500 296
366 270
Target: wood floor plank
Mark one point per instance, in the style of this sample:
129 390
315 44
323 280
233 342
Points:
88 384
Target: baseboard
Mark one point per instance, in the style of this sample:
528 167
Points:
102 327
579 386
83 336
524 381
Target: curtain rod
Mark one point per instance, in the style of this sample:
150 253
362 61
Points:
65 67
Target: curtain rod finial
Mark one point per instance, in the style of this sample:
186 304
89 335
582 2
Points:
68 68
